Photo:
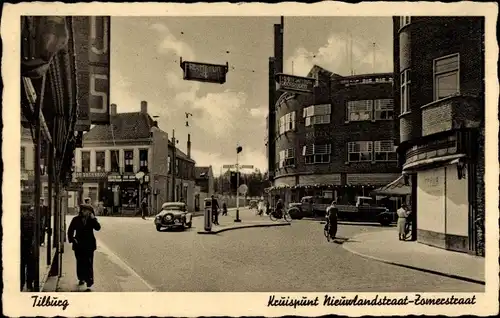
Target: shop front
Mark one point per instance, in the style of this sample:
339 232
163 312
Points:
124 190
93 185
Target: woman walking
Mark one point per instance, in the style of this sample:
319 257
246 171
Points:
402 215
81 235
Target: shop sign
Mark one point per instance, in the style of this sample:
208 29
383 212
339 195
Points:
295 84
91 175
203 72
74 186
115 178
129 177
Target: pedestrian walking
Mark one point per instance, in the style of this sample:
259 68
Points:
44 220
215 210
332 219
81 235
402 215
27 253
144 207
224 208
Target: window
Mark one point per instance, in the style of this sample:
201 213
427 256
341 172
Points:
286 123
286 158
360 151
85 161
129 160
405 91
446 76
23 158
100 159
169 164
403 21
317 153
360 110
384 109
317 114
385 151
143 160
115 160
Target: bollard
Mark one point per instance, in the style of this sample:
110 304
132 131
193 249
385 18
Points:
208 219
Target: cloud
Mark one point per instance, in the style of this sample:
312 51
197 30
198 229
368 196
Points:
260 112
170 44
217 161
334 57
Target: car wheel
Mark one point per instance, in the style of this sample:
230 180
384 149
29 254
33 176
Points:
158 228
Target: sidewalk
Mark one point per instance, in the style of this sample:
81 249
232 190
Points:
384 246
110 274
248 219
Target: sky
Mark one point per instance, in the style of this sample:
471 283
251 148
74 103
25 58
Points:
145 53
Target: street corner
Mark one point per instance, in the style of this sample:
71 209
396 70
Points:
244 226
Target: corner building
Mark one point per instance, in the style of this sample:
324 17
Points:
439 99
337 142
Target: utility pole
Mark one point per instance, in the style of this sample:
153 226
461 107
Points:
173 163
238 150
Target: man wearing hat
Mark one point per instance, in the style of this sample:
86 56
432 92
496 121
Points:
81 235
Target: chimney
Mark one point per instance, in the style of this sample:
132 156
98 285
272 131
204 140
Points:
144 107
112 109
189 146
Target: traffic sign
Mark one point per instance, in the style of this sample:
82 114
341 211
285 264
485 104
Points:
295 84
228 166
246 167
243 189
203 72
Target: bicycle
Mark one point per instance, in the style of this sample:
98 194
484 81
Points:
330 231
408 231
276 215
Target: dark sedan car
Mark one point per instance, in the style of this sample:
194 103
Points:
173 215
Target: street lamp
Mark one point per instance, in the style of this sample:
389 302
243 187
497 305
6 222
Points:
238 150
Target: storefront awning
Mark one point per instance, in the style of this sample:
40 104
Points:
395 188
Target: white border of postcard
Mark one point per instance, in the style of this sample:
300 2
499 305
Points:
232 304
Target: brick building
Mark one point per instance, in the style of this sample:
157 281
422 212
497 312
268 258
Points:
337 142
439 99
113 154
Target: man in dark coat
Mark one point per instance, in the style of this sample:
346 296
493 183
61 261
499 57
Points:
144 208
44 221
215 210
27 241
81 235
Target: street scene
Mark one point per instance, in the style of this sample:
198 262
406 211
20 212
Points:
158 159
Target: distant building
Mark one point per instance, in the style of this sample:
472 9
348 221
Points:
204 184
337 142
113 154
439 99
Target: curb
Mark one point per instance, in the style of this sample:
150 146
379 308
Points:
244 227
420 269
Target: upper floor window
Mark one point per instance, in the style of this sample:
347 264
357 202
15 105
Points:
360 151
405 91
85 161
404 21
23 158
286 123
384 109
169 164
317 153
100 159
143 160
286 158
446 76
385 151
115 160
359 110
317 114
129 160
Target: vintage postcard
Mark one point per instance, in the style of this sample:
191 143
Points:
250 160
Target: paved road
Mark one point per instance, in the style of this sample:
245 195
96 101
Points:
292 258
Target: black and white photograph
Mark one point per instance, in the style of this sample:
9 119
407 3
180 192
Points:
281 162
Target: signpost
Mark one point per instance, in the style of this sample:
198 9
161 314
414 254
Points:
204 72
295 84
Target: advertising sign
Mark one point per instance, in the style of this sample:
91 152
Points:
203 72
295 84
92 58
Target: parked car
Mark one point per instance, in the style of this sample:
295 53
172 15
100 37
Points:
173 215
365 209
309 206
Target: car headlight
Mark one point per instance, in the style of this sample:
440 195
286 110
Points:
168 217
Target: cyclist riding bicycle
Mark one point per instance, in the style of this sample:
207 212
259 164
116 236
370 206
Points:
279 207
331 220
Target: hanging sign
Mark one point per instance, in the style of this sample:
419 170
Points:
295 84
203 72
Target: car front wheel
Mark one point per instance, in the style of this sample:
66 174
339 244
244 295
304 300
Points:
158 228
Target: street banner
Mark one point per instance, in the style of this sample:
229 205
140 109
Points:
204 72
295 84
92 55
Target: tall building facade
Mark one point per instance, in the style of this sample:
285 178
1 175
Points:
112 155
337 142
439 99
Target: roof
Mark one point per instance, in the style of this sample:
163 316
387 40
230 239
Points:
126 126
201 172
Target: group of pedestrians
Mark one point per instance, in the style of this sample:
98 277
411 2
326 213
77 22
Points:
216 209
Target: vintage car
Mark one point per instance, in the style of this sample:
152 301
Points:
309 206
173 215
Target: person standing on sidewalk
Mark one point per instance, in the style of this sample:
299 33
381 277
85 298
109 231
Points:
44 221
402 215
215 210
27 240
81 235
144 208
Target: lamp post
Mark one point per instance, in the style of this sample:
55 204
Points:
238 150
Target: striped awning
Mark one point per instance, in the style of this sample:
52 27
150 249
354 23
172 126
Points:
395 188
